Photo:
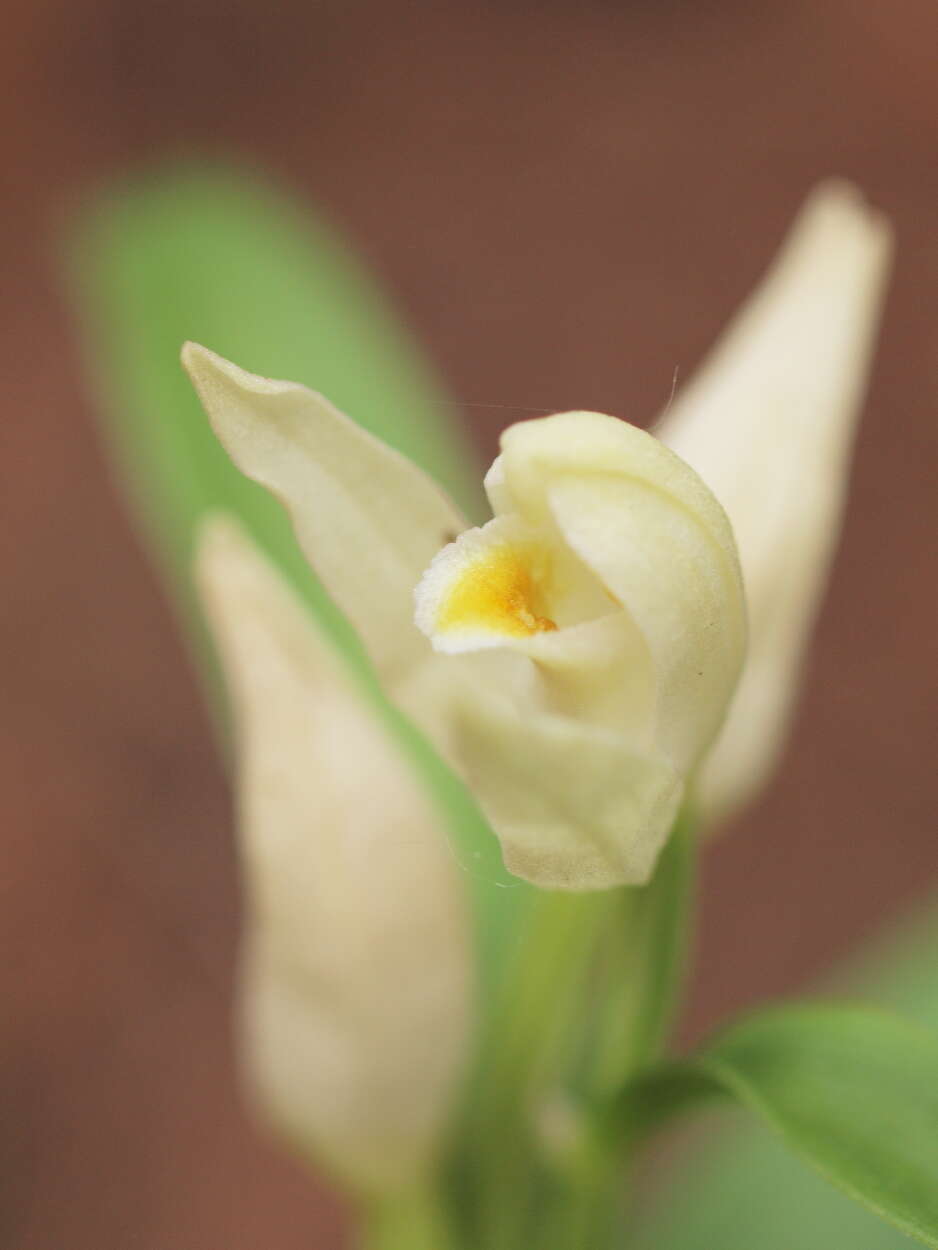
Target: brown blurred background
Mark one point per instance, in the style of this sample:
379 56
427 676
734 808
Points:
566 199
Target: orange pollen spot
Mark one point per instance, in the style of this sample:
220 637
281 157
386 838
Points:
498 593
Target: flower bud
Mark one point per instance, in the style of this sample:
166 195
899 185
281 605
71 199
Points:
355 964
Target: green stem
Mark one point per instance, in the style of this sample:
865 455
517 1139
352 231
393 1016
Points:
585 1002
587 1213
536 1009
649 965
414 1220
644 945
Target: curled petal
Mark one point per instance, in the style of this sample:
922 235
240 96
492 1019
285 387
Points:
575 807
659 543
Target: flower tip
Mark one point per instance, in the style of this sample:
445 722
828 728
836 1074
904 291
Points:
189 353
842 217
204 367
201 363
216 378
837 190
842 195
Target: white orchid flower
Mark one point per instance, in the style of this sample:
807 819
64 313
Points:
355 971
574 657
768 422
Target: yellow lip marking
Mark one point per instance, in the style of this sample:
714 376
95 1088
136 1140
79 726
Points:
498 593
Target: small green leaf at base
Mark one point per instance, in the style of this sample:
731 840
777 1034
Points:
853 1091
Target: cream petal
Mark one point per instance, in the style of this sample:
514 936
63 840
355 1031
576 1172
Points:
768 422
655 537
679 588
600 672
368 520
587 443
355 982
576 808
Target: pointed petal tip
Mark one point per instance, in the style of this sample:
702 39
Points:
204 366
190 352
837 190
201 362
837 207
213 375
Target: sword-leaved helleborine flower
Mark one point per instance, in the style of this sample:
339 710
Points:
768 422
355 970
573 659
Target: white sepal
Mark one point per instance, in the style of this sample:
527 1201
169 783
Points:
768 422
367 519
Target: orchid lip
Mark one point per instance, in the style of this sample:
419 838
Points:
491 587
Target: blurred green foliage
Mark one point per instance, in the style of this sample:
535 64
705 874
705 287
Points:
216 257
852 1090
738 1187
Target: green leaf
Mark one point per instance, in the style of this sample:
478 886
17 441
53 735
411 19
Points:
210 255
735 1184
853 1091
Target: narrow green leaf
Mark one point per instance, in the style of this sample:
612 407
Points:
213 256
853 1091
647 950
